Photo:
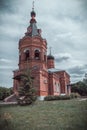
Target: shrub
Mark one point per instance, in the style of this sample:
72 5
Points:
50 97
65 97
75 95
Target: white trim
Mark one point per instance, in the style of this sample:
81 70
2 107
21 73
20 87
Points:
63 94
41 98
37 49
26 49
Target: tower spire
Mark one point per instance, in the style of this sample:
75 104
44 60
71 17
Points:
50 48
33 5
32 28
33 14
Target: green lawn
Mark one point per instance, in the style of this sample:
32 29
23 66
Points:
45 115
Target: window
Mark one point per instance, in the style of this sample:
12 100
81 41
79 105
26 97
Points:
37 55
27 55
19 57
57 87
45 59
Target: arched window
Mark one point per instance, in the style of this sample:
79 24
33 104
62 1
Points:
45 57
19 57
37 54
57 87
27 55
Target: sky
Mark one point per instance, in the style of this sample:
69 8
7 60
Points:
63 24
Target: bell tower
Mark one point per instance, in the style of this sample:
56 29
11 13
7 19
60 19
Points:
32 47
33 55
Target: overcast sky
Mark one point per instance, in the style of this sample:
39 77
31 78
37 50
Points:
63 24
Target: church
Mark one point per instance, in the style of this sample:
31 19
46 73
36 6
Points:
33 55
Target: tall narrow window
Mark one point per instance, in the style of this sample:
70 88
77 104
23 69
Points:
37 54
45 57
19 57
27 55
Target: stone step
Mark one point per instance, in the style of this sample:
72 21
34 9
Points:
11 98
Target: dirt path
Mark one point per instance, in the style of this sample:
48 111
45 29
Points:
83 99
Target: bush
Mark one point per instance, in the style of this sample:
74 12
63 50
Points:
50 97
75 95
65 97
22 101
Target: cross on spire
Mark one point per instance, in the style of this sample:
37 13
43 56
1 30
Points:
50 48
33 5
33 14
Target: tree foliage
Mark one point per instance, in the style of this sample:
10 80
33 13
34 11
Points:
5 92
80 87
27 92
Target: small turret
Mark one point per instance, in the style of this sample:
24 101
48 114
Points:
50 60
50 57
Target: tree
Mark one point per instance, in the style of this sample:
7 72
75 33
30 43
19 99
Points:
79 87
5 92
85 79
27 92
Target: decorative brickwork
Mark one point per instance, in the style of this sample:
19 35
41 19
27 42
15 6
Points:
33 56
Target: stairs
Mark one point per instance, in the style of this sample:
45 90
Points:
11 98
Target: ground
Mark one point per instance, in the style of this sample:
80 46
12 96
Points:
45 115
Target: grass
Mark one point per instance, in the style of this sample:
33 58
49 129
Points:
45 115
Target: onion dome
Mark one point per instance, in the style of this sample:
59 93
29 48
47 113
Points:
50 57
50 61
33 14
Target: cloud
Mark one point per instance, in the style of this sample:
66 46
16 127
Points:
62 57
77 72
6 77
78 69
64 35
5 6
63 24
7 67
5 60
7 64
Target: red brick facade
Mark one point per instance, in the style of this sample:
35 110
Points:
33 55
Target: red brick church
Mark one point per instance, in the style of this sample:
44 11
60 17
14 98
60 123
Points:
33 54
